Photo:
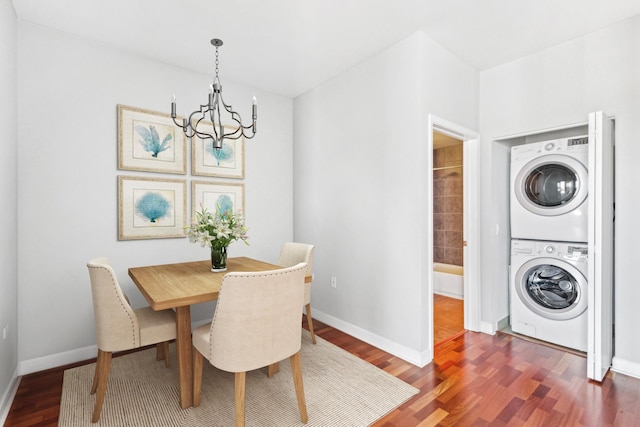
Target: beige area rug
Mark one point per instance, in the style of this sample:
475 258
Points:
340 389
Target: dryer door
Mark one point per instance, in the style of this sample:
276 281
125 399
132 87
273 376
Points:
552 288
551 185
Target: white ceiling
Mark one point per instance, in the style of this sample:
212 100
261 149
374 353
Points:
288 47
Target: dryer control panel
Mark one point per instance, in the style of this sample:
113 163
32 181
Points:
535 149
577 252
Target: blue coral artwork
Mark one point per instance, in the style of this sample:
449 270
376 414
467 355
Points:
224 204
222 158
153 141
154 208
220 202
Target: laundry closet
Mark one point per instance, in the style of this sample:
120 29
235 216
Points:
561 213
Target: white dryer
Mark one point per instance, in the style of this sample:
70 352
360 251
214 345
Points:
548 291
549 189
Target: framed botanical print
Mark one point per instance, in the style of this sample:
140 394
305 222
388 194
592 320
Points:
150 208
150 141
217 195
225 162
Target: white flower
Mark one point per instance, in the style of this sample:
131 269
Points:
216 230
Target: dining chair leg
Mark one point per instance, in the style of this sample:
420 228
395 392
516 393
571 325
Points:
197 376
240 380
273 369
102 373
96 373
296 370
162 352
310 323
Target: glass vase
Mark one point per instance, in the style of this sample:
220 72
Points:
218 258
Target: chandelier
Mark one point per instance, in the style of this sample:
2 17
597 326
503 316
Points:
200 122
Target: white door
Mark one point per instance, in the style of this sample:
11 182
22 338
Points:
600 271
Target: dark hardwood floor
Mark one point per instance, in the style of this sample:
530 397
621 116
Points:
474 380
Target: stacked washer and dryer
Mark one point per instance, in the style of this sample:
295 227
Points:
548 285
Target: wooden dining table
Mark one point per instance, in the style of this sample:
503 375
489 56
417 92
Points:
180 285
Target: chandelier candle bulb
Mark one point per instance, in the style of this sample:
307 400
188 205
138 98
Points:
254 111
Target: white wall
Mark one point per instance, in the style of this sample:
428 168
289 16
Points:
360 194
558 87
8 218
68 91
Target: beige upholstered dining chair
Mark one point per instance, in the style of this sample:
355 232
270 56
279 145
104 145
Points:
256 323
119 327
291 254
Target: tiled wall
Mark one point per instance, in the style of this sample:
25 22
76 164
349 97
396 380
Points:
447 205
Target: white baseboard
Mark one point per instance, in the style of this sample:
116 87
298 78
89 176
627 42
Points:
410 355
72 356
7 397
59 359
626 367
492 328
503 323
487 328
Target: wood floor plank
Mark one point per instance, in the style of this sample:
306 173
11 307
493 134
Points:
474 380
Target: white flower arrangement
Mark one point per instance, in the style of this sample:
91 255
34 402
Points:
217 230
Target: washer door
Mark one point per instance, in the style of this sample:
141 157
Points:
551 185
551 288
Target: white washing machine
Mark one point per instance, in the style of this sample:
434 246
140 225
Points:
548 291
549 188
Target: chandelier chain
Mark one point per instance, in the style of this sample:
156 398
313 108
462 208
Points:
217 61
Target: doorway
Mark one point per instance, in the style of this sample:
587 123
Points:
448 238
470 228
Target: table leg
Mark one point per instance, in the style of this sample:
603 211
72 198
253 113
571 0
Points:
185 359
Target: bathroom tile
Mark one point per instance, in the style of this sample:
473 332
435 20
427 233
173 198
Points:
453 185
453 222
453 239
439 187
453 153
452 204
438 221
438 158
453 256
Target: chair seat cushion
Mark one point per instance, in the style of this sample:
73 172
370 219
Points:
156 326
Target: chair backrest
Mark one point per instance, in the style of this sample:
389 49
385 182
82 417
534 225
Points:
291 254
257 319
117 325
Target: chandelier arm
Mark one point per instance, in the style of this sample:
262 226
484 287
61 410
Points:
201 134
238 119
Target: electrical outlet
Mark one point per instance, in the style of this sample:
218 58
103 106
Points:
334 282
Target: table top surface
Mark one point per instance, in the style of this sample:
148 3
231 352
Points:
182 284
